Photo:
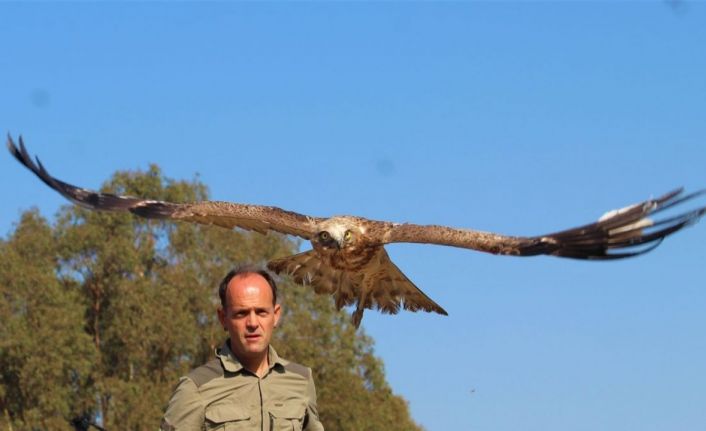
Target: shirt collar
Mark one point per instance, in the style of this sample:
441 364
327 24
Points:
232 364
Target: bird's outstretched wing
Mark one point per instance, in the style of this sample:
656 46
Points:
618 234
225 214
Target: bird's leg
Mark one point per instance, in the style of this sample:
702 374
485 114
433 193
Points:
358 316
360 308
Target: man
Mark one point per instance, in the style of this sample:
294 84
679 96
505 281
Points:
248 386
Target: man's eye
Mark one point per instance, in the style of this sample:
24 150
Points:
263 313
241 314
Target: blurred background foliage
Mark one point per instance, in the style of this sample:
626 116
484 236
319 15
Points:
101 313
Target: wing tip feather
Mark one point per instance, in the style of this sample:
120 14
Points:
618 231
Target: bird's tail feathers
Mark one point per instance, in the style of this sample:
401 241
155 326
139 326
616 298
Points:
308 269
380 285
390 289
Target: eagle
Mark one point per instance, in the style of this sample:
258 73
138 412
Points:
348 258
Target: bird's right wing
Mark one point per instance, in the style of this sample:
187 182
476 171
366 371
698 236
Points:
225 214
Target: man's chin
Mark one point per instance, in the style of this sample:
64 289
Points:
256 346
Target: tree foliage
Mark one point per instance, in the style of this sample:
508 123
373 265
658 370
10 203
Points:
102 313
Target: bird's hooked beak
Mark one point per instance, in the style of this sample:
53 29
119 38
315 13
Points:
332 243
338 244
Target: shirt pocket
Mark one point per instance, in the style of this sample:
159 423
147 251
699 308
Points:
227 417
288 417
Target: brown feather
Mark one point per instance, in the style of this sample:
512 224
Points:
388 288
380 284
625 229
225 214
308 269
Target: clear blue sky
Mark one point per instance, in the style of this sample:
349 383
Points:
522 118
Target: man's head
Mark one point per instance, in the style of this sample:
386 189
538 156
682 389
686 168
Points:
242 270
249 312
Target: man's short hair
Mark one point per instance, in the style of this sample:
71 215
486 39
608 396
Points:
244 270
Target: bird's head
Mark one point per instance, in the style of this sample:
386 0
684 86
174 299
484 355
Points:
337 233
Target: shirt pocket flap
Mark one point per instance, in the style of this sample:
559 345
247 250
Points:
288 411
226 413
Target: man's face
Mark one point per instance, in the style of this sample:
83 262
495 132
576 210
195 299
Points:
249 316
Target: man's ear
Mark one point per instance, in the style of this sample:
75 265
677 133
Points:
222 317
278 313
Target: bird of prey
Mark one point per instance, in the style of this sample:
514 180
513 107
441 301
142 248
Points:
348 259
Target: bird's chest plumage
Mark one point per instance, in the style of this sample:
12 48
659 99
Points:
352 258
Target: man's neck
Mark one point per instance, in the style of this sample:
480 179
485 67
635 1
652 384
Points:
256 365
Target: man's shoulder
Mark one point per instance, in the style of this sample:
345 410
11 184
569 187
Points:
206 372
299 369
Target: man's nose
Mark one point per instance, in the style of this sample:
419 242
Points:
252 319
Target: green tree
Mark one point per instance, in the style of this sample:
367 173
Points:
103 312
46 360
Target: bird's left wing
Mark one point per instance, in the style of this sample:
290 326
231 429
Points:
225 214
618 234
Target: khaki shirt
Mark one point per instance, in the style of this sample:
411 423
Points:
222 395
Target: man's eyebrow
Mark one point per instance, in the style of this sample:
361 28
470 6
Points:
237 309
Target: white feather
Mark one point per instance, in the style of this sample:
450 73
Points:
613 213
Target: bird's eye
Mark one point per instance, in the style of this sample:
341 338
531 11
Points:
324 236
347 236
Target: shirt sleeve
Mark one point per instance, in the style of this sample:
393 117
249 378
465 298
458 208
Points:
185 411
312 422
